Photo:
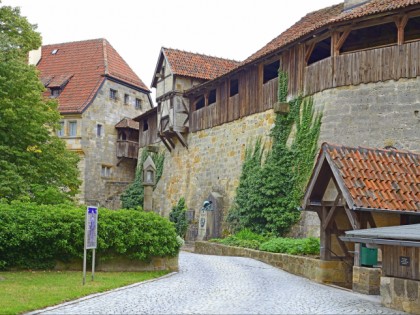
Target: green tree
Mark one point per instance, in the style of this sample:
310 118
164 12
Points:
34 163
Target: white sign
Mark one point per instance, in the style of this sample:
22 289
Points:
91 228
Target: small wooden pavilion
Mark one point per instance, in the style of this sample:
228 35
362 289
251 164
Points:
359 188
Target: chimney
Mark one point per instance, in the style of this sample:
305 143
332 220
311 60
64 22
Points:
351 4
34 56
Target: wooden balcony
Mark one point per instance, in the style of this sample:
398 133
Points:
127 149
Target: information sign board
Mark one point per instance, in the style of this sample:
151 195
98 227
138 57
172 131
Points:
91 227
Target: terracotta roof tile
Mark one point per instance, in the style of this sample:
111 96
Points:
197 65
84 64
128 123
382 179
325 17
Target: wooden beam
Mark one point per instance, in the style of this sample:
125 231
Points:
352 216
341 39
325 252
332 212
171 142
401 22
370 220
165 143
308 53
342 244
181 139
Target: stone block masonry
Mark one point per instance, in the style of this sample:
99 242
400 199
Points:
371 115
213 163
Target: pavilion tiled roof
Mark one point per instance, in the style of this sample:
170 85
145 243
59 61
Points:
377 178
198 66
81 67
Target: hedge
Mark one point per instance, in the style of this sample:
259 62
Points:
36 236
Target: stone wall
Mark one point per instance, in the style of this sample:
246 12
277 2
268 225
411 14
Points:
122 264
372 115
329 272
401 294
100 151
212 163
366 280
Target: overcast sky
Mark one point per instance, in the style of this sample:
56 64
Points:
137 29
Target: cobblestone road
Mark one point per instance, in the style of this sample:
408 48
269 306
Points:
226 285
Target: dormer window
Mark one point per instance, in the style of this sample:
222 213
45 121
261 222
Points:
55 92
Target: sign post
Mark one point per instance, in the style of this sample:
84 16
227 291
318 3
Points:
91 234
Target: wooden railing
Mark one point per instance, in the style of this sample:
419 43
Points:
270 93
127 149
374 65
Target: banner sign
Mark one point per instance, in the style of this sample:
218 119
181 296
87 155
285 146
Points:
91 227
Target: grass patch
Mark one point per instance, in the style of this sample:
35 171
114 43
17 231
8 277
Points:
30 290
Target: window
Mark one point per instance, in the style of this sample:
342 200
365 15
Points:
212 97
106 171
55 92
60 131
199 102
271 71
126 99
145 125
113 94
73 128
138 103
322 50
234 87
98 130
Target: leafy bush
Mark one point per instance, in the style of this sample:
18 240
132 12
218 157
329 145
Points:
293 246
178 216
245 238
35 236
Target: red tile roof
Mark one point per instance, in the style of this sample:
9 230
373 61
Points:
128 123
377 178
326 17
84 64
197 65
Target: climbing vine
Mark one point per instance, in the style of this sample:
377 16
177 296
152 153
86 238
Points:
269 193
133 196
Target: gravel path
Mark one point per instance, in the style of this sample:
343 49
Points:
225 285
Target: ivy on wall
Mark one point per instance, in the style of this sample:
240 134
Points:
133 196
271 188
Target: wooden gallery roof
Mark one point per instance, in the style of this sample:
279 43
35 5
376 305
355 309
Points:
79 69
127 123
369 179
322 20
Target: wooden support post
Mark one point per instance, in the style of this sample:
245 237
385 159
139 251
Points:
401 22
342 244
325 251
308 53
331 213
370 219
352 216
341 39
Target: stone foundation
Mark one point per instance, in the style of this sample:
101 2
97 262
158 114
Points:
121 264
329 272
401 294
366 280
